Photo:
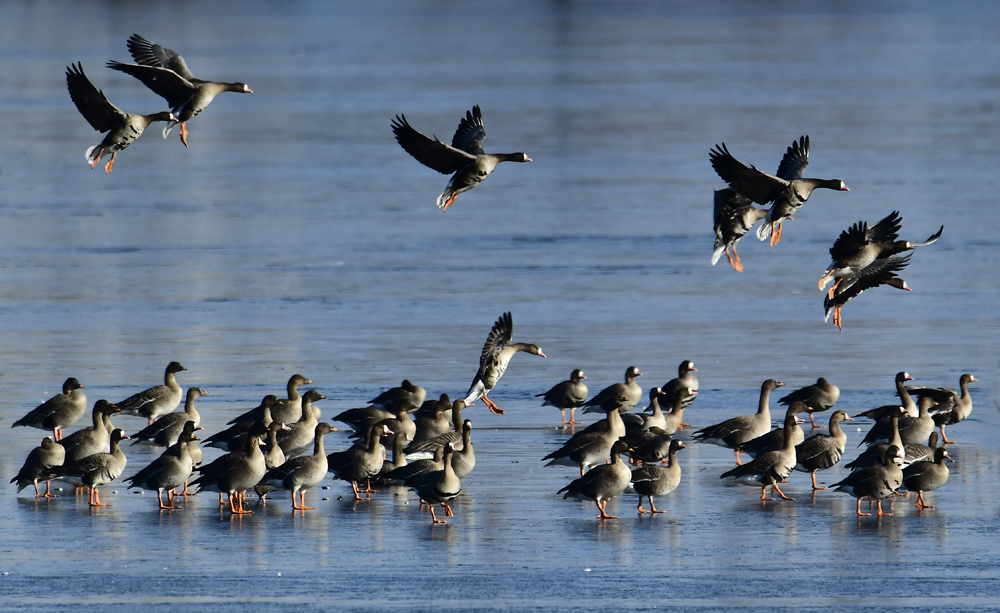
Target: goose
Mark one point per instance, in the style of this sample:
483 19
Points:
685 384
167 75
122 128
952 407
166 430
822 451
393 397
360 464
440 486
873 455
910 429
734 215
399 459
61 411
735 431
773 440
926 476
170 470
818 397
918 452
861 246
494 359
621 396
286 410
465 159
42 460
881 272
297 440
401 423
786 192
655 480
236 472
874 482
770 467
301 474
429 426
569 394
588 449
464 459
407 473
273 458
649 446
603 482
95 470
158 400
420 450
233 437
93 439
641 421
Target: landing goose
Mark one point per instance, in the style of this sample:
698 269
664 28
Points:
61 411
786 192
494 359
465 159
734 215
167 75
122 128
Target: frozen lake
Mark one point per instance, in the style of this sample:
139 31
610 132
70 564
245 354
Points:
294 235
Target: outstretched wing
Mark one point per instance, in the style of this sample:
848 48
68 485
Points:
500 336
931 239
169 85
471 133
429 152
148 53
90 101
795 160
756 185
850 241
880 272
886 230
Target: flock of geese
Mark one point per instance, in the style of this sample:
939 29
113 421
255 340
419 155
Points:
432 447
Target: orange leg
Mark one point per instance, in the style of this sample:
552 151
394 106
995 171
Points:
739 462
732 262
816 487
880 512
221 501
823 280
186 493
357 492
642 510
184 134
739 262
448 202
368 487
603 509
302 505
833 289
920 502
97 159
95 498
763 494
48 490
494 408
57 435
780 493
836 318
447 510
107 170
572 417
860 514
434 519
944 439
653 506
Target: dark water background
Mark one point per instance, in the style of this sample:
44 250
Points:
296 236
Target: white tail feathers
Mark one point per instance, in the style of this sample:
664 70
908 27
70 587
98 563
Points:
719 250
170 126
764 230
93 154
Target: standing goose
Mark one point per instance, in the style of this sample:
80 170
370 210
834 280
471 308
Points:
822 451
158 400
905 401
734 432
770 467
296 441
926 476
232 438
860 246
567 395
402 423
464 460
640 421
465 159
166 430
673 421
881 272
430 426
952 407
684 385
122 128
303 473
773 440
910 429
170 470
918 452
603 482
586 449
818 397
440 486
95 470
655 480
287 410
166 73
649 446
93 439
40 463
360 463
406 393
406 473
236 472
620 396
874 482
398 460
493 362
873 455
734 216
788 191
61 411
424 448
